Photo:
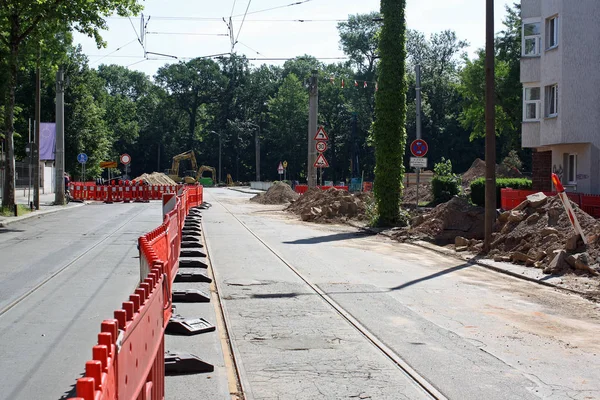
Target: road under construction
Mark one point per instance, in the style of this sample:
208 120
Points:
289 310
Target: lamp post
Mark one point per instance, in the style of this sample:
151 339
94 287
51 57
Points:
220 146
257 149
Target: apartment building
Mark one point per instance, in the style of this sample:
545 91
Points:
560 73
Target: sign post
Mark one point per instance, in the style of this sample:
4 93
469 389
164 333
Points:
321 138
285 164
126 160
419 149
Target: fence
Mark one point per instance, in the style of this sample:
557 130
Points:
590 203
129 361
122 192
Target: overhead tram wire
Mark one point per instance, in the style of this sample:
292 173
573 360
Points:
187 33
111 53
275 8
241 25
254 50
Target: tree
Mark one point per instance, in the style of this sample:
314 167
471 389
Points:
390 113
358 39
31 21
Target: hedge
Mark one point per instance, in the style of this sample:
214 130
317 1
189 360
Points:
478 188
444 188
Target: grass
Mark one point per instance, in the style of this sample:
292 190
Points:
22 209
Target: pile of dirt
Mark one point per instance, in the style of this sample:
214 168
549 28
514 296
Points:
410 194
279 193
156 178
445 222
538 233
330 205
477 170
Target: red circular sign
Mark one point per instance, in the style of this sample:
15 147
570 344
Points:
321 147
419 148
125 159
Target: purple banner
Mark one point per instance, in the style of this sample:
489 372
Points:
47 140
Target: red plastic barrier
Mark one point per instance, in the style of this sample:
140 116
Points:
127 194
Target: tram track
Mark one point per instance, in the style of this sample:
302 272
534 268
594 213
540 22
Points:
410 373
56 273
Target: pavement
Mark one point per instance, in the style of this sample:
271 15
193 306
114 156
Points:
470 331
60 276
46 207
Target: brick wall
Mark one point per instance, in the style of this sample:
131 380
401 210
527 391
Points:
542 171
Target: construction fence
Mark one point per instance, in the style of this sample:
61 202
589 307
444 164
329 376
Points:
120 193
129 360
590 203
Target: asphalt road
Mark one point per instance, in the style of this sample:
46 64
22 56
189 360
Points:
471 332
60 276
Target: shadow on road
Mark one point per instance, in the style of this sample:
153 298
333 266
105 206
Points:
432 276
6 230
333 238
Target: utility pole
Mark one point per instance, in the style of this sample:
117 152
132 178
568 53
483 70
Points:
220 141
418 92
257 149
490 129
36 136
59 197
313 92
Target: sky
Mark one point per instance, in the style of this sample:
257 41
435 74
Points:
195 28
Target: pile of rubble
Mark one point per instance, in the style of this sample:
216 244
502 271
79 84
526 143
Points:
410 194
445 222
279 193
538 233
329 205
156 178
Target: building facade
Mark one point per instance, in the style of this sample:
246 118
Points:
560 73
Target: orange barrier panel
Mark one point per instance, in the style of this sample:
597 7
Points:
127 194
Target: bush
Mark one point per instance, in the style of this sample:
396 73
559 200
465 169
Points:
478 188
444 184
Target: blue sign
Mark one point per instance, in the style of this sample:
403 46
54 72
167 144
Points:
82 158
419 148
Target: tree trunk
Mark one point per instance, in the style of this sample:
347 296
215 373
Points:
8 197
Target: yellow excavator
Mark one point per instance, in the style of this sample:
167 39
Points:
173 173
206 181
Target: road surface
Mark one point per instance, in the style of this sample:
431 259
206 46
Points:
469 332
60 276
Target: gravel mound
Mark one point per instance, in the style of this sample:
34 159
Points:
329 205
279 193
156 178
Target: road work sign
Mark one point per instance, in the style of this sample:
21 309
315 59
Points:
418 162
321 162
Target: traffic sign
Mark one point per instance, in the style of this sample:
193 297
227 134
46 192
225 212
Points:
419 148
321 147
418 162
285 164
125 159
321 134
82 158
321 162
280 169
108 164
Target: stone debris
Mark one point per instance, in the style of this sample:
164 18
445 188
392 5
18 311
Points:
279 193
331 205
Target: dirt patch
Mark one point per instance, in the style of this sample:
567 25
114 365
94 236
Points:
279 193
331 205
444 223
477 170
410 194
156 178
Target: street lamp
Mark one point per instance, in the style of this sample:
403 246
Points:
220 144
257 149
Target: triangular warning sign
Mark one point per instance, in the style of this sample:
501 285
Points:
321 162
321 134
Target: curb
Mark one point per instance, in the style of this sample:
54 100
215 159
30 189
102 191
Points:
12 220
243 191
472 261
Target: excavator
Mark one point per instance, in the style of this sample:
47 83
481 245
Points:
206 181
173 173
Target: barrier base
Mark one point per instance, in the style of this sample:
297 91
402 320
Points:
191 244
191 229
193 224
185 363
195 276
178 325
192 263
191 253
190 296
189 237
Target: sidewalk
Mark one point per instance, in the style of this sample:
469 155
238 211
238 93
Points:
46 206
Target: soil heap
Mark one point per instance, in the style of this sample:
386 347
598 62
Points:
279 193
410 194
538 233
329 205
445 222
156 178
477 170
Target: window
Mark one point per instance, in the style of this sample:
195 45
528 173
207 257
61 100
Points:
572 170
531 39
552 101
551 33
531 104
